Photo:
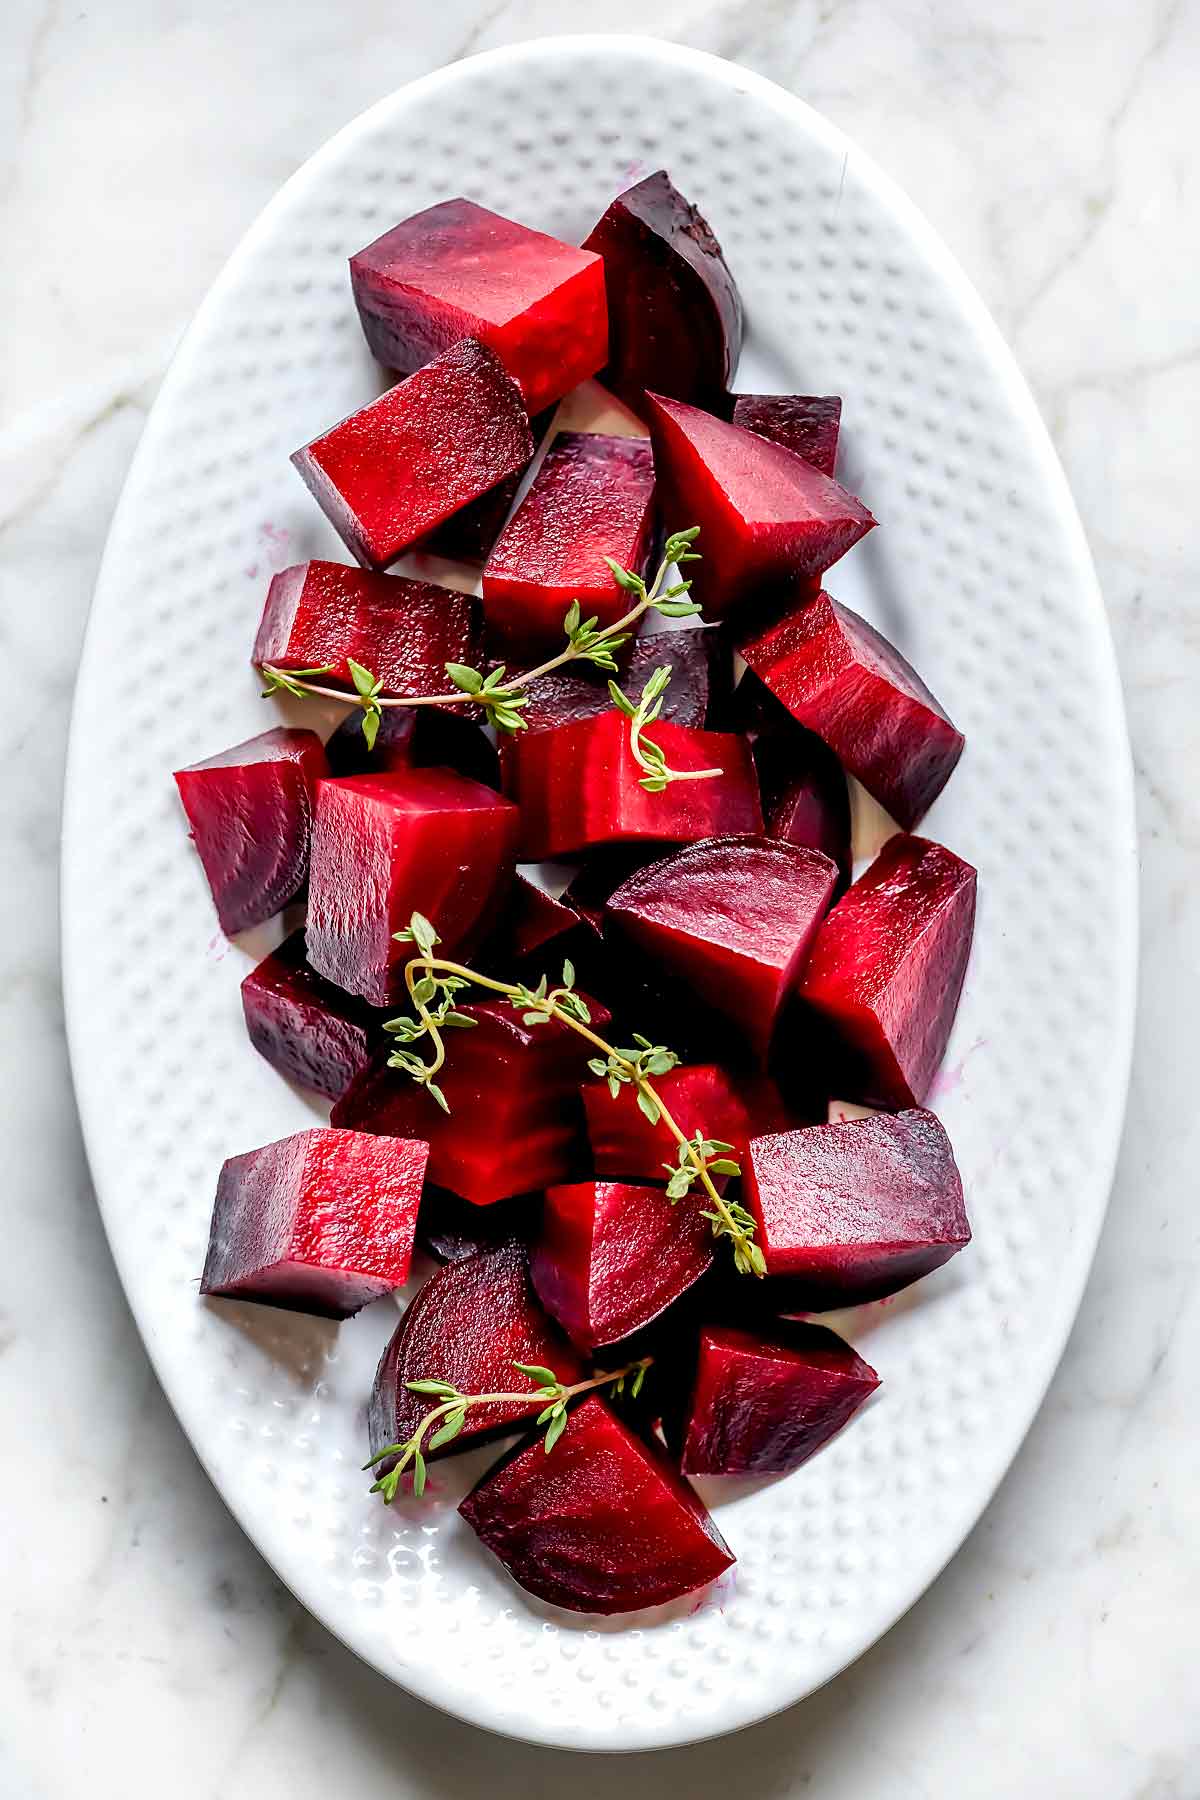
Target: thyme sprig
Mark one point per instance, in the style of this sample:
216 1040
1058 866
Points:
647 754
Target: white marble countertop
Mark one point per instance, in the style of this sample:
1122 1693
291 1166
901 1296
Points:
148 1649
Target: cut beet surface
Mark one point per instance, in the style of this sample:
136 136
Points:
532 924
593 497
468 1325
853 1211
674 312
319 613
807 424
451 1229
602 1524
457 270
322 1222
468 534
415 737
693 658
805 798
700 1097
765 515
523 1079
250 810
307 1029
386 846
734 918
387 474
878 996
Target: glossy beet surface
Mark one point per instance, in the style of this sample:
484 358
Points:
578 786
592 497
457 270
859 1209
386 846
612 1256
761 1405
765 515
674 312
522 1079
807 424
451 1229
880 991
250 811
700 1097
468 1325
839 677
390 472
734 918
321 1222
468 534
307 1029
602 1524
416 737
319 613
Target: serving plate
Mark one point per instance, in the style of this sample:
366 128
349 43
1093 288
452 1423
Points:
980 573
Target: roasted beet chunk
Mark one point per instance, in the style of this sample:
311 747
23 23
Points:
414 737
319 613
468 534
852 1211
674 313
468 1325
838 676
390 472
250 811
321 1222
880 991
386 846
765 515
807 424
592 498
700 1097
451 1229
805 799
306 1028
602 1524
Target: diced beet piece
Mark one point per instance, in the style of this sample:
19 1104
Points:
321 1222
690 656
602 1524
306 1028
386 846
805 798
838 676
250 810
387 474
451 1229
700 1097
674 312
592 497
734 918
854 1211
560 698
578 786
762 1405
468 534
415 737
522 1079
531 923
765 515
880 991
807 424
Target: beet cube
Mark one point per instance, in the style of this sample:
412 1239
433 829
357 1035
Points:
414 737
468 534
700 1097
592 497
405 632
602 1524
807 424
841 679
250 810
309 1030
880 991
765 515
674 312
322 1222
387 474
693 658
451 1229
531 922
853 1211
805 798
386 846
734 918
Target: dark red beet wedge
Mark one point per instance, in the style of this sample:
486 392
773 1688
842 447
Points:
765 515
386 846
804 795
451 1230
532 923
468 1325
674 312
468 534
523 1079
578 786
307 1029
761 1405
807 424
321 1222
592 497
700 1097
602 1524
250 811
878 997
853 1211
838 676
414 737
457 270
387 474
732 917
612 1256
562 697
692 657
